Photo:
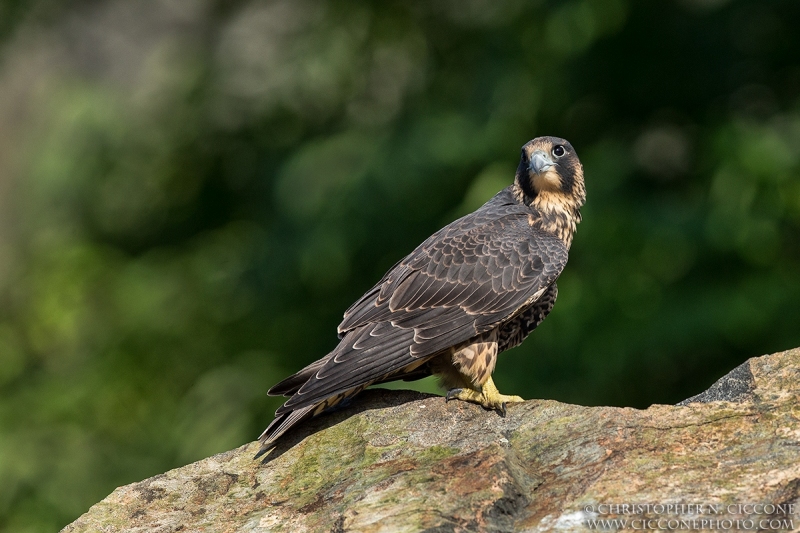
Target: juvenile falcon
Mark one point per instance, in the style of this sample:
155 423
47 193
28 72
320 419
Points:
473 289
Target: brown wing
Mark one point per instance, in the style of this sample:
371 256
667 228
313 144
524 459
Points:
461 285
464 280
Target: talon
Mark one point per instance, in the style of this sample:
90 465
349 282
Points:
452 394
487 397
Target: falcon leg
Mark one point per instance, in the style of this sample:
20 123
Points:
488 397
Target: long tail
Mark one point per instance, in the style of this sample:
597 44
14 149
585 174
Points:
284 421
281 425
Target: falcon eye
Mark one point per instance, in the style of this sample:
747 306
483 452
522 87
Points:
558 151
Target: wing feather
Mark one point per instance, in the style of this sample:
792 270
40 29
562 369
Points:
429 309
464 280
352 368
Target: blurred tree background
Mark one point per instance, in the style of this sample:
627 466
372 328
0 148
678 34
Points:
193 191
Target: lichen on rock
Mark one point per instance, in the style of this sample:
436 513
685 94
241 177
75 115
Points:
403 461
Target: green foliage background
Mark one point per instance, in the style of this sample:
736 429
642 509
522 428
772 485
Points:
192 192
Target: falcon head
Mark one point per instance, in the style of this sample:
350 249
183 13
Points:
549 166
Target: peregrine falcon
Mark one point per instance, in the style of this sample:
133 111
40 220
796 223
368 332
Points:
473 289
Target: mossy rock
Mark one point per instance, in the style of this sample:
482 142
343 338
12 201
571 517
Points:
399 461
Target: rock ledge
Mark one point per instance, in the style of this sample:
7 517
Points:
400 461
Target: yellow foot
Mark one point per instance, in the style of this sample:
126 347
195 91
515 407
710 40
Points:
488 397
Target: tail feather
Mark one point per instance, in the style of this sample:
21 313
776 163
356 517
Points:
281 425
284 420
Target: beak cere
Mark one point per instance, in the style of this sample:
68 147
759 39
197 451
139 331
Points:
540 162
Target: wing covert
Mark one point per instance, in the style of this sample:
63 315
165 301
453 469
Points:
482 276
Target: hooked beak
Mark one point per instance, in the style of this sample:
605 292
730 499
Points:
540 162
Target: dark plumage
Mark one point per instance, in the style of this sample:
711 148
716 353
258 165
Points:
472 290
